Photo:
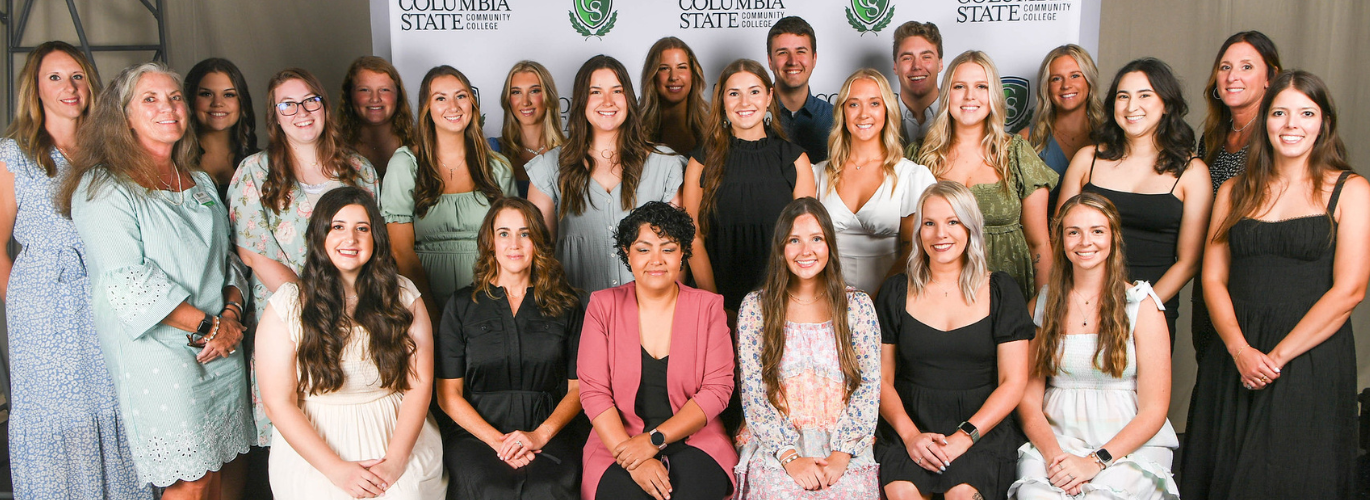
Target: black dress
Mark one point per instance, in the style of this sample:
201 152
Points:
758 181
943 378
515 370
1225 166
1151 231
1296 438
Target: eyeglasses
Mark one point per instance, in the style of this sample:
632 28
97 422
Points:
310 105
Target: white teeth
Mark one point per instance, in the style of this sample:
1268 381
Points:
1069 96
349 253
304 123
941 247
1290 139
918 78
864 127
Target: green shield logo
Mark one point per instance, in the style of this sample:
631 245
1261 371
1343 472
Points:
1017 96
593 17
869 16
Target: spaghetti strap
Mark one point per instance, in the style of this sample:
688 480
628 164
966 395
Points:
1094 158
1172 186
1336 192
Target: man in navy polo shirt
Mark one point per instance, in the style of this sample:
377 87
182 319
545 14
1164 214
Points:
791 52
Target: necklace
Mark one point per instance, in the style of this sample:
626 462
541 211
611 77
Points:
179 188
1084 316
535 152
803 303
945 291
451 171
1248 123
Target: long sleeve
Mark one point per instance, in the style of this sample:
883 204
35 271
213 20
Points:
771 428
139 293
596 391
856 428
716 385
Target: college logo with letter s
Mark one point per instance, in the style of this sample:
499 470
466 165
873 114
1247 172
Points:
1017 98
869 16
593 17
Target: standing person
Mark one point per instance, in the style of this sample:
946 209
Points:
1284 268
437 192
1095 405
346 367
673 106
506 366
809 359
373 113
1244 67
159 257
1069 108
950 384
223 119
532 118
791 52
737 183
871 209
605 170
968 144
1144 164
66 436
656 369
917 61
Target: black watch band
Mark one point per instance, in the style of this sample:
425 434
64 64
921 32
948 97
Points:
970 430
206 325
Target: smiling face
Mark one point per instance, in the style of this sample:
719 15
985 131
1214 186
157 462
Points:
673 79
1137 108
791 60
513 243
655 260
1086 237
157 112
349 242
1241 76
745 100
63 88
1067 85
864 110
305 126
373 97
917 66
943 236
806 249
526 98
606 107
449 102
216 103
1294 123
968 94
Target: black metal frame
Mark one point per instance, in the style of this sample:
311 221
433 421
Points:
14 36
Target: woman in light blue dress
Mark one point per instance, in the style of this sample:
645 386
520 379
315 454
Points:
166 297
66 436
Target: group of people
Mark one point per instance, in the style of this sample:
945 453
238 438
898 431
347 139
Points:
680 297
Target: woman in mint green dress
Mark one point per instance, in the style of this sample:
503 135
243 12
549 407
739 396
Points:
158 255
437 191
273 192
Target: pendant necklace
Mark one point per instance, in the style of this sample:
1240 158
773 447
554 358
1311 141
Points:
1084 316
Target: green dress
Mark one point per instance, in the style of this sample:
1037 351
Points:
445 236
148 251
1006 248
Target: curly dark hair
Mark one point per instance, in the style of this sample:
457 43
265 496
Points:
666 220
1174 138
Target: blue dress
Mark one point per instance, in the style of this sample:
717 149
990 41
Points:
67 439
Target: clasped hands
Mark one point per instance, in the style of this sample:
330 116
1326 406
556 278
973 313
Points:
814 473
519 448
366 478
934 452
1069 472
637 455
1256 368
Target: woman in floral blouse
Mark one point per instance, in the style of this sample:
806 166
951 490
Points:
808 352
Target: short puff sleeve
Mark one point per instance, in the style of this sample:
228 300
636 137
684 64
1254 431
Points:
544 171
397 191
890 306
1030 172
1009 309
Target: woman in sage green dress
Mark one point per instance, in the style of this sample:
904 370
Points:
437 191
158 253
969 144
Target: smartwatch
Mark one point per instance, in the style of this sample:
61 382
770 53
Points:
658 439
970 430
1103 457
206 325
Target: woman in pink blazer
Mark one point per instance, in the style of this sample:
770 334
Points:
656 368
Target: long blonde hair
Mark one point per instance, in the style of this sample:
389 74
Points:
29 126
974 267
1044 122
839 140
941 137
511 136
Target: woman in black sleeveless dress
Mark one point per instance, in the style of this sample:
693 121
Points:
1143 162
1274 416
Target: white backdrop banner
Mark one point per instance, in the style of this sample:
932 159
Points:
484 38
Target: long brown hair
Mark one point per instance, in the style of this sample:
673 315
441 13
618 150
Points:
1219 120
774 297
349 124
576 163
839 140
511 136
332 154
428 183
242 139
108 151
323 304
695 107
29 126
719 138
942 135
1251 189
1044 123
1115 330
552 292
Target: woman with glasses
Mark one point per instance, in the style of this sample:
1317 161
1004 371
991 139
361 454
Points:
437 191
274 192
373 111
222 118
166 296
532 118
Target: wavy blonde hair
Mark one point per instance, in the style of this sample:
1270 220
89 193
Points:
974 268
28 128
839 141
1044 122
941 137
511 136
